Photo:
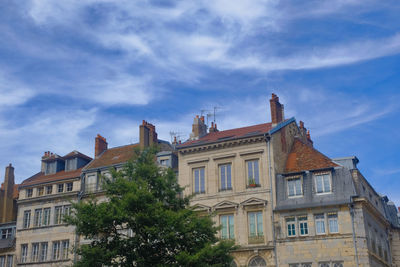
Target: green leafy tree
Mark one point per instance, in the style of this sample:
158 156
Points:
163 230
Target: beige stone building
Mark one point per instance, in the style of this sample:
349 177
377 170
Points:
231 174
43 239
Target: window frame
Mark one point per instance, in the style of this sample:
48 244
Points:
323 174
259 233
24 253
329 219
49 189
60 186
26 223
226 178
44 246
291 221
199 169
46 215
301 221
254 170
69 186
320 220
35 252
291 178
230 217
37 220
29 192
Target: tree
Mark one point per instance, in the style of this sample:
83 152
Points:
146 222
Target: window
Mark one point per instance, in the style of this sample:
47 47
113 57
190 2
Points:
24 252
307 264
37 221
43 251
257 262
46 216
50 168
225 177
6 233
69 187
56 250
29 192
337 264
333 223
303 225
10 260
256 232
291 226
164 162
323 183
40 191
91 184
65 247
35 252
70 164
294 187
199 182
253 177
323 264
27 219
320 224
58 214
2 261
60 188
228 229
49 189
67 210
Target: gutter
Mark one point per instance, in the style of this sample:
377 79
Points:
267 137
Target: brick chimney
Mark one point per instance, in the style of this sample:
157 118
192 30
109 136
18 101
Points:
309 138
100 145
277 110
7 201
199 128
147 135
213 128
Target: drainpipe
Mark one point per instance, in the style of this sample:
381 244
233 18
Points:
268 139
351 207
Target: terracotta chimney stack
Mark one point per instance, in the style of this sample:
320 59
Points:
147 135
199 128
6 201
277 115
100 145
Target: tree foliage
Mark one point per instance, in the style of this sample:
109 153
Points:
163 230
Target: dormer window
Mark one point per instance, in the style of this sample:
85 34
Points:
70 164
294 187
323 183
50 167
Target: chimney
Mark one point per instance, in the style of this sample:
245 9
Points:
100 145
147 135
9 181
309 138
199 128
277 115
213 128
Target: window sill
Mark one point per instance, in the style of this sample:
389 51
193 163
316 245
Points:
297 196
225 189
253 186
41 262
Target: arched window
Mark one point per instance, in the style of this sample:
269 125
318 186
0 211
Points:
257 262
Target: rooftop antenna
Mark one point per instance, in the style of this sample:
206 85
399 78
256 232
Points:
174 134
215 111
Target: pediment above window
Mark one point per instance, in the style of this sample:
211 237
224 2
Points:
253 202
200 207
226 205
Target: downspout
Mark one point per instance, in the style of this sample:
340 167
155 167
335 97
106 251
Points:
351 208
268 139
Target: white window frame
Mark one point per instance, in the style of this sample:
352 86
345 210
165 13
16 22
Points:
291 221
35 252
230 232
60 186
331 219
26 219
303 220
37 220
64 249
253 171
46 216
56 250
324 192
295 191
199 169
224 167
256 214
48 192
29 192
316 220
24 253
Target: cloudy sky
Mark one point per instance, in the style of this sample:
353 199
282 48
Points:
71 69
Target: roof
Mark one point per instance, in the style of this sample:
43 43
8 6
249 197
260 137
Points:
15 190
304 157
76 154
40 177
113 156
229 134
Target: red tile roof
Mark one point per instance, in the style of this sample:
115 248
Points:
76 154
230 134
113 156
303 157
40 177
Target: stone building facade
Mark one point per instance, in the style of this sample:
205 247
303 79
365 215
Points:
43 239
231 174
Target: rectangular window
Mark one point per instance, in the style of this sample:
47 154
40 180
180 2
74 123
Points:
58 214
37 221
228 229
6 233
70 164
225 177
43 251
324 264
256 231
91 184
24 252
199 181
303 225
46 216
320 224
69 187
323 183
49 189
2 261
40 191
253 176
291 226
29 192
164 162
27 219
56 250
294 187
10 260
333 223
67 210
35 252
65 248
60 188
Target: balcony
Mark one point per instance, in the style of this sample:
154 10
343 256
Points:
256 239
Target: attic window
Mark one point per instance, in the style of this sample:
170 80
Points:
50 167
70 164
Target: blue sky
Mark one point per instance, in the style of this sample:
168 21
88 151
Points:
72 69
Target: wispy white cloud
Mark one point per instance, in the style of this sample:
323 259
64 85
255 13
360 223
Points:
12 92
